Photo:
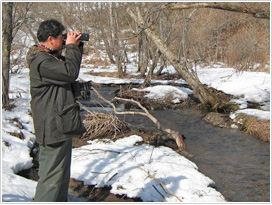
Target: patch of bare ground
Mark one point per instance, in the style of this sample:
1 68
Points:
18 124
92 194
223 96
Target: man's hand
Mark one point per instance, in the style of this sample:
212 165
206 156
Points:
73 37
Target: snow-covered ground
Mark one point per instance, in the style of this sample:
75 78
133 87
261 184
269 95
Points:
121 164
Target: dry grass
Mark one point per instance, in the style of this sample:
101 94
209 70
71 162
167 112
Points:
101 125
255 127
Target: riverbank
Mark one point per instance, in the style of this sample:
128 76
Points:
18 138
249 90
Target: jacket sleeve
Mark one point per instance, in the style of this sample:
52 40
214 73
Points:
59 72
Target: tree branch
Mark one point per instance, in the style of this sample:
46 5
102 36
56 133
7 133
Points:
227 6
171 133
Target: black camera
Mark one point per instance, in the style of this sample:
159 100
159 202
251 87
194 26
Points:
84 37
82 90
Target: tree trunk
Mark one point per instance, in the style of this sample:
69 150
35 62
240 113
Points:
155 58
142 53
6 47
98 10
115 38
207 99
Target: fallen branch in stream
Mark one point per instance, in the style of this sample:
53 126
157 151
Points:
171 133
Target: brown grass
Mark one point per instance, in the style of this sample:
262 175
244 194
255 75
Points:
101 125
255 127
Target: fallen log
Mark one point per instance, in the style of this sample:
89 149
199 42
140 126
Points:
170 133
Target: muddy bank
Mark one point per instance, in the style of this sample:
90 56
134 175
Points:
89 193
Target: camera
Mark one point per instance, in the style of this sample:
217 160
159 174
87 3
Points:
82 90
84 37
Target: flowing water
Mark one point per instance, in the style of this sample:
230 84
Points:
239 164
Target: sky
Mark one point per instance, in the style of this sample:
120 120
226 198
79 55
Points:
121 164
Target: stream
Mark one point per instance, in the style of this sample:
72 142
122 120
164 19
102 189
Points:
238 163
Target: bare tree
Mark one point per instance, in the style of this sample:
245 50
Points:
7 8
196 34
207 99
14 16
115 37
165 24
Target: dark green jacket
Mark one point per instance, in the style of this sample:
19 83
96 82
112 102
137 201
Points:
55 113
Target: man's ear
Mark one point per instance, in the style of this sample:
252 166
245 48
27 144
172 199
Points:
49 39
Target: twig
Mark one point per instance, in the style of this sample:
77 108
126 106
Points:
162 184
112 176
157 180
158 192
99 172
104 150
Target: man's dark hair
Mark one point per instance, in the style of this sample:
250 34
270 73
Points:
48 28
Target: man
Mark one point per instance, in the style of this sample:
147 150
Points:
55 112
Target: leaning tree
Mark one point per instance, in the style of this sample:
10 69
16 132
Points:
207 99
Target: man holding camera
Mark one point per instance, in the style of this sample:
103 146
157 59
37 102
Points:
55 112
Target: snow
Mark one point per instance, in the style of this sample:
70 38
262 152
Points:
123 164
254 86
260 114
111 80
162 91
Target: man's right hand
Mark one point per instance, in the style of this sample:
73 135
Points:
73 37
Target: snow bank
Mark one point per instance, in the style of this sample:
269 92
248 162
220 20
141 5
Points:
163 91
16 151
251 86
259 114
120 164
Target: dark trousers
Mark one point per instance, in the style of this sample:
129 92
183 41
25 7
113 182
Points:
54 172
